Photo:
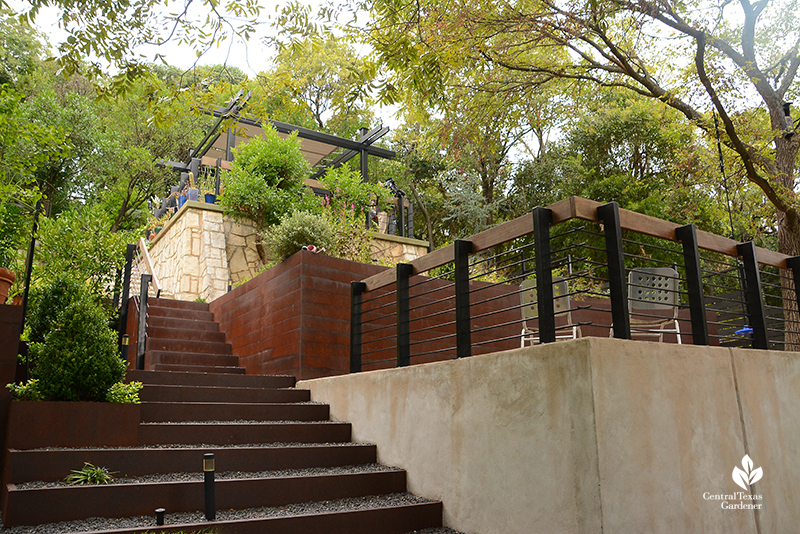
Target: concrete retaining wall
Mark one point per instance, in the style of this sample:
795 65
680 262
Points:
588 435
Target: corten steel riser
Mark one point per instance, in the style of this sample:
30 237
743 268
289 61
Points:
154 310
213 380
233 434
203 411
55 465
161 393
186 357
181 402
186 333
389 520
50 505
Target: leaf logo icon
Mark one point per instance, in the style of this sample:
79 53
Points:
744 478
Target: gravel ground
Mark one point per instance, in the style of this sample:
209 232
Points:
228 475
99 524
213 446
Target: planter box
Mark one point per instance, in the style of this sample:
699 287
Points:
33 425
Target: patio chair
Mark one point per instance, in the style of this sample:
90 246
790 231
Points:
652 290
530 310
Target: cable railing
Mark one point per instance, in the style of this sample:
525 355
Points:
573 269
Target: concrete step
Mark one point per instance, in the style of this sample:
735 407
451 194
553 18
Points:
50 505
231 433
204 411
169 393
211 380
55 464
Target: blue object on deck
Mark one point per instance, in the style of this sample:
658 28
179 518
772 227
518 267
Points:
746 330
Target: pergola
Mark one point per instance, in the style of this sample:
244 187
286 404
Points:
216 150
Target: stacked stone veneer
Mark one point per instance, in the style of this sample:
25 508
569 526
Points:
200 250
189 256
397 249
240 249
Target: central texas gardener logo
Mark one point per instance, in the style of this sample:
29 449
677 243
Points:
745 478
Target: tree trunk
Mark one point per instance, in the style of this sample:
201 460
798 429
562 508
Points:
788 242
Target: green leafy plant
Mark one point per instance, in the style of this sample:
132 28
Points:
266 182
77 359
349 192
29 391
123 393
47 303
353 239
298 230
90 474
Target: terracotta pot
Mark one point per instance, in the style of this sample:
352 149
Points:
6 279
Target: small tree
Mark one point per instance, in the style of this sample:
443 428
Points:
266 181
77 360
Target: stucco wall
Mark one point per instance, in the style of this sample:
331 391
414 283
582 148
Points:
588 435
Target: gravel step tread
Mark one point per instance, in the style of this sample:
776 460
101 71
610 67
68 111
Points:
229 475
198 518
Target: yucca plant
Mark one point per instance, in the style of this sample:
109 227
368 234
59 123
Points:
90 474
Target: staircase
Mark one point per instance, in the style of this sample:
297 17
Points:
257 427
183 336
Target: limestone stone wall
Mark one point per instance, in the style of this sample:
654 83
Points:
189 256
588 436
397 249
199 250
240 249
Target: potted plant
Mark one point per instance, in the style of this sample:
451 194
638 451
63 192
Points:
192 193
207 185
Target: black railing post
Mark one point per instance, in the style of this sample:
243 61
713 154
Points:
126 288
401 221
794 264
752 294
687 235
542 218
404 272
141 337
357 289
461 252
609 216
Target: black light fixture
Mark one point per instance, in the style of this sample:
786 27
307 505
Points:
788 131
160 517
208 480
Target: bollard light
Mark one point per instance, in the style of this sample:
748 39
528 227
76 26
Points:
208 480
159 516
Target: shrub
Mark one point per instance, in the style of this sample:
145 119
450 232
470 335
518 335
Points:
46 304
29 391
298 230
353 239
124 393
349 192
78 361
266 181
